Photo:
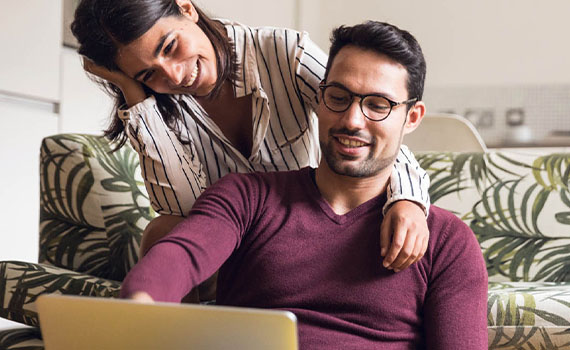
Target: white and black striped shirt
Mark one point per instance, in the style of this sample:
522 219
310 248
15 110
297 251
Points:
281 69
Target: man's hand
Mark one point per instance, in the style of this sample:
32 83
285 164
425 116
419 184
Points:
404 235
141 297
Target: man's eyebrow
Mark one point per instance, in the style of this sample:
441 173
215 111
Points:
383 94
155 53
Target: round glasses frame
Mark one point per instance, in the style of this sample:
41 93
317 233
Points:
392 104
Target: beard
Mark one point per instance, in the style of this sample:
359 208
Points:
347 165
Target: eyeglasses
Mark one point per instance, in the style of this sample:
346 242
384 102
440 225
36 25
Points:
375 107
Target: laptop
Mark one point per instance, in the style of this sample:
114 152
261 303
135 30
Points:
73 322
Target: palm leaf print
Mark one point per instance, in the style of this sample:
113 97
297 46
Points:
65 185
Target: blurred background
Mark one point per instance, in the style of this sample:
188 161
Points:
502 64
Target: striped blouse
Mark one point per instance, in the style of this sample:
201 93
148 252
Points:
281 69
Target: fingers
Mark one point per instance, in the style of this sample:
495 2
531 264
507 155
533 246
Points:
141 297
116 77
410 253
91 67
407 228
385 237
407 248
403 251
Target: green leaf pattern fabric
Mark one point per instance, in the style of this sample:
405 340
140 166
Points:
94 207
517 205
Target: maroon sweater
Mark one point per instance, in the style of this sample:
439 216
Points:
280 246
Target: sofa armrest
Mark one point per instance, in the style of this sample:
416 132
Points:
23 338
93 205
21 283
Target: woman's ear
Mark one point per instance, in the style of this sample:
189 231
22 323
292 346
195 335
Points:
188 10
415 116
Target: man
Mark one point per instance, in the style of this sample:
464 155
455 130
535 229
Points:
306 240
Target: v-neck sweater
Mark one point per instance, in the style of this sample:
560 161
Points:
281 246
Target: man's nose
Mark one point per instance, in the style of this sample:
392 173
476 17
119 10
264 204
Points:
353 118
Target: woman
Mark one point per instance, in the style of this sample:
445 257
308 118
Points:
199 98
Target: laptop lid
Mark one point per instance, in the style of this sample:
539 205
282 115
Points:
73 322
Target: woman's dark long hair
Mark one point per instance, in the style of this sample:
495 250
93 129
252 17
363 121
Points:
100 26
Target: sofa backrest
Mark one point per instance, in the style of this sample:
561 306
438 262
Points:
93 205
517 203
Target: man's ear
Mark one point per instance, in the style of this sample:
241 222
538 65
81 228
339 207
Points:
415 116
188 10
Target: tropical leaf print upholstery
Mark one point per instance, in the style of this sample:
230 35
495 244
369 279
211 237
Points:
27 281
94 208
21 339
517 205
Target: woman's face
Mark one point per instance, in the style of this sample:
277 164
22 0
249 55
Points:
173 57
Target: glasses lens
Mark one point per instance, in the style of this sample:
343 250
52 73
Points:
376 107
336 99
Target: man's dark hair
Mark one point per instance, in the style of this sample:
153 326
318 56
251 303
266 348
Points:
102 26
384 38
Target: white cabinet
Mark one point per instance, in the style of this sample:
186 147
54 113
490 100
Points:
23 125
30 36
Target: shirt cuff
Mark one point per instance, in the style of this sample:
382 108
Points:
394 199
147 104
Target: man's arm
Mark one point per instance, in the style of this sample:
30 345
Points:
198 246
455 309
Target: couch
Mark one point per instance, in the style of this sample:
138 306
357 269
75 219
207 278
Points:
94 207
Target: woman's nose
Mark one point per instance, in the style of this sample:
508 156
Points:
174 73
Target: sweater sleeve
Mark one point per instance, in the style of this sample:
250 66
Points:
455 309
172 172
198 246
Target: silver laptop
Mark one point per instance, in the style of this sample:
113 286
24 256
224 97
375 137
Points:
72 322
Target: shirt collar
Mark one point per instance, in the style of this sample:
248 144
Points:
247 79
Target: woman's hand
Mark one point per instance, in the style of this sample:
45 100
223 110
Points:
132 90
404 235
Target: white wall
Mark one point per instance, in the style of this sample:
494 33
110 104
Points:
30 36
85 107
253 12
30 52
23 125
483 42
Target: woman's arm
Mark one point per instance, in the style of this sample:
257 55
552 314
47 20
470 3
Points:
404 234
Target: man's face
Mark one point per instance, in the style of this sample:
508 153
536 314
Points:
351 144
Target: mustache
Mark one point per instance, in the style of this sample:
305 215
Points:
355 133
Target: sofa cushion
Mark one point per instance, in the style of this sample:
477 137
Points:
529 313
